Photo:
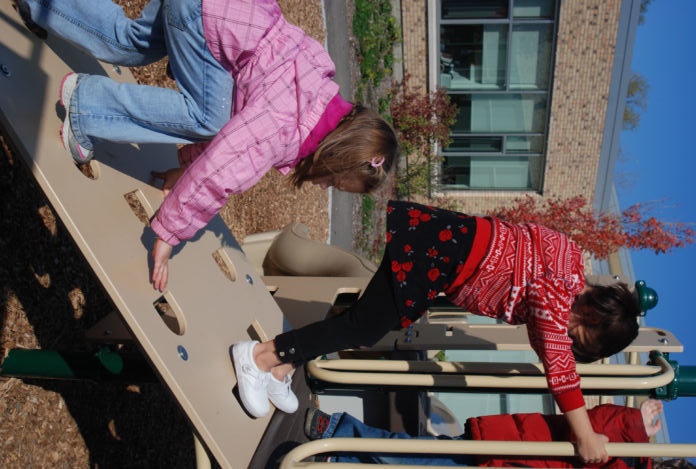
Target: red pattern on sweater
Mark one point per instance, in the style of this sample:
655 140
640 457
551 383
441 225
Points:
531 275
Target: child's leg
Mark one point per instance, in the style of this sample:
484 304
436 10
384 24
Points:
102 29
363 324
205 84
102 109
344 425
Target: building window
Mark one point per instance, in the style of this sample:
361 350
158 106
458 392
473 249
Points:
496 64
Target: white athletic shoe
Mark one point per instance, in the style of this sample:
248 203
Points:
281 395
251 382
79 153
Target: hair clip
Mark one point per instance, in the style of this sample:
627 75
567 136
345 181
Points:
377 164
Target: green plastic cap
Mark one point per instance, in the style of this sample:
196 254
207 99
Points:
647 297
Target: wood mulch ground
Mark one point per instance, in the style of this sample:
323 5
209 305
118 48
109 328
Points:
49 298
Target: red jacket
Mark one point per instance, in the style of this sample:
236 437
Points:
621 424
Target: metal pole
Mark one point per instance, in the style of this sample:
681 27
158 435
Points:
479 447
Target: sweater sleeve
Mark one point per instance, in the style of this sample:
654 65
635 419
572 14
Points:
252 142
549 307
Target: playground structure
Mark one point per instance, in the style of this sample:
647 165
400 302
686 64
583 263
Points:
187 342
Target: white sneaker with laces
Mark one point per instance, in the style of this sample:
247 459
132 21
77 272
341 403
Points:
251 381
281 395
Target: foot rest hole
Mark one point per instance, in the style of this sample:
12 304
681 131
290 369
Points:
222 259
170 313
140 206
90 169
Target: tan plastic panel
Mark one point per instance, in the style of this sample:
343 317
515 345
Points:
305 300
214 312
292 252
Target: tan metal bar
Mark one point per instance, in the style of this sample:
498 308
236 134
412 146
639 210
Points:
516 448
481 367
318 369
458 335
633 359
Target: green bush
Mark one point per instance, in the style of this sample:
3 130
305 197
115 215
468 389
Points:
376 31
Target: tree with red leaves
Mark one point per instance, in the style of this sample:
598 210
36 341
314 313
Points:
422 120
604 233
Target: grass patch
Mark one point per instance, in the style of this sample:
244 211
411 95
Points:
376 31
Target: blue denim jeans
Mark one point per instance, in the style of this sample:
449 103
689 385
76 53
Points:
103 109
343 425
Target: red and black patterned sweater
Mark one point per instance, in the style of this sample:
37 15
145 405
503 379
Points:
531 275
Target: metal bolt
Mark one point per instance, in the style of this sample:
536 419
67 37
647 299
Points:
663 340
5 70
107 332
408 339
182 352
249 279
117 69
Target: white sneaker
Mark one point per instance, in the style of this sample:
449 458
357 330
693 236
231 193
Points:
79 153
281 395
251 382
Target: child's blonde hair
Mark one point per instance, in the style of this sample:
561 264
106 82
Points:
362 146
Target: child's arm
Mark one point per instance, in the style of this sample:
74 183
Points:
590 445
160 269
168 177
555 353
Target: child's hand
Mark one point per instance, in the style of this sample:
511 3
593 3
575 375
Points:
168 177
590 445
160 273
591 448
650 409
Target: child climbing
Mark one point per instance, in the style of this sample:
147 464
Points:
520 274
255 93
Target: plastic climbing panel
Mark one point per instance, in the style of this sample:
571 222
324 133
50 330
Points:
214 298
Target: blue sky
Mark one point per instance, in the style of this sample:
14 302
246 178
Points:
659 156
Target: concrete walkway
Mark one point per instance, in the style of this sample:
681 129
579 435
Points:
340 203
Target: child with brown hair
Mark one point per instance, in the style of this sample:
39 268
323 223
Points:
255 93
520 274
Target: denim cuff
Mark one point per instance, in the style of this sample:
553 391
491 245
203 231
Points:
333 424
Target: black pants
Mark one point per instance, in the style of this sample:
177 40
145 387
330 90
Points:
363 324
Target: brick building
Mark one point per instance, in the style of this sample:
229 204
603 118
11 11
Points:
540 86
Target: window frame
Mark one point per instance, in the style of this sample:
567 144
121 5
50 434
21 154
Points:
434 24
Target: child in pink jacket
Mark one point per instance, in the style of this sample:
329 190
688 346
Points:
255 93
